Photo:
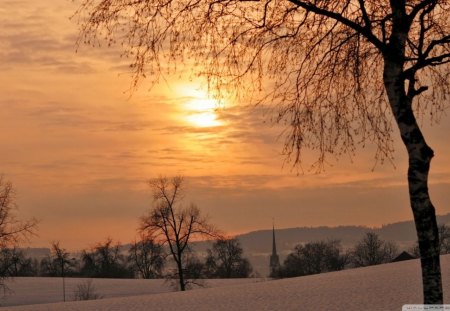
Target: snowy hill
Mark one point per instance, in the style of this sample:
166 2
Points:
384 287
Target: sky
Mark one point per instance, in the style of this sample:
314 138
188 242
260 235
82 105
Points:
79 147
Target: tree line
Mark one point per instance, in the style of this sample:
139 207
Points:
164 248
326 256
142 259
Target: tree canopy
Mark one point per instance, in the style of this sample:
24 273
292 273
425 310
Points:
318 62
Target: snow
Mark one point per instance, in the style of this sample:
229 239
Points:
35 290
384 287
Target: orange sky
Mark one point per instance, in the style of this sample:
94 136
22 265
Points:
79 147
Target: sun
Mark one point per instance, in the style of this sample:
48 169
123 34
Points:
201 110
204 119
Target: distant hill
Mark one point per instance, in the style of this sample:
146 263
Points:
258 244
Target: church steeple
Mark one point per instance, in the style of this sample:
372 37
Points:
274 259
274 244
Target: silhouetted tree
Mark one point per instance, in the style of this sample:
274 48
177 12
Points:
61 260
193 269
13 262
337 69
12 230
48 267
172 224
105 261
313 258
225 260
371 250
147 258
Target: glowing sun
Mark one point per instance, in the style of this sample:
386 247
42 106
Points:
202 111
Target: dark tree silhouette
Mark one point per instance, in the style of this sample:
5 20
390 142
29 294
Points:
172 224
336 69
147 258
105 260
61 259
371 250
13 262
12 230
313 258
225 260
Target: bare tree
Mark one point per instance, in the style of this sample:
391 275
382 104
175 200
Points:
337 70
61 259
147 258
12 230
225 260
173 224
371 250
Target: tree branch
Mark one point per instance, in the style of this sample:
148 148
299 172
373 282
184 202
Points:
366 32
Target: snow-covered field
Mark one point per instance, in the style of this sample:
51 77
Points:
26 291
384 287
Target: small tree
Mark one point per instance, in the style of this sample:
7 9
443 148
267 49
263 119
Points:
225 260
172 224
61 258
371 250
147 258
313 258
62 262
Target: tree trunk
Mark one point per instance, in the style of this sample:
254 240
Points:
420 155
181 274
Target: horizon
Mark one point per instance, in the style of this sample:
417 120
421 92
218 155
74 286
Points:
124 243
78 146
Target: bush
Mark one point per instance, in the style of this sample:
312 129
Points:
86 291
